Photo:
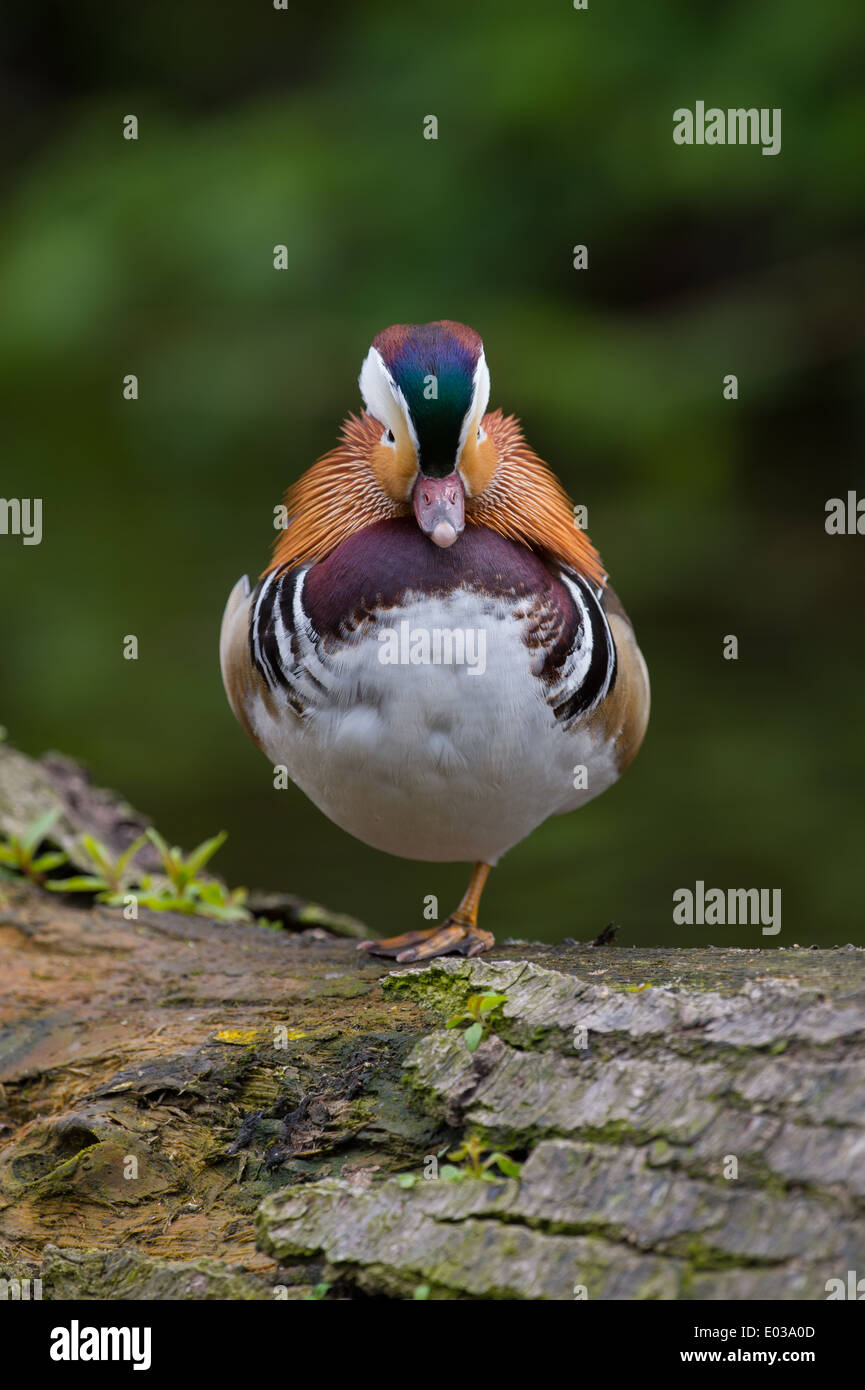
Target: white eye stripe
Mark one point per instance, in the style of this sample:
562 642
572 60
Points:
382 397
479 403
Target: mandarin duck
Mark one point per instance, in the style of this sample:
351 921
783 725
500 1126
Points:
434 654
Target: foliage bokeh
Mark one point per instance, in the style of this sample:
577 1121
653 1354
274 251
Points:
304 127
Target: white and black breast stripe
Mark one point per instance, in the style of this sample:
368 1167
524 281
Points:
589 672
578 665
283 644
260 628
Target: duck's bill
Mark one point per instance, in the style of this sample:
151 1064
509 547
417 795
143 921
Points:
440 507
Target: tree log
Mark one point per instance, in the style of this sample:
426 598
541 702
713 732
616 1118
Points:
194 1110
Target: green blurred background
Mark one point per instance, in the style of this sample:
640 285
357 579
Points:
304 127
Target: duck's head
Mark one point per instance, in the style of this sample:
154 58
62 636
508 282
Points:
428 386
426 445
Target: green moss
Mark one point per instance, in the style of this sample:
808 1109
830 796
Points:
702 1256
347 988
660 1153
441 992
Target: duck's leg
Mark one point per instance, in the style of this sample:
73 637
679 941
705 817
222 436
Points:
459 935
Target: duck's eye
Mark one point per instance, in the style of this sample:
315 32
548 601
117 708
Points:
482 434
389 437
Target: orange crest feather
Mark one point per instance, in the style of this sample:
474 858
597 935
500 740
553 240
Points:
334 498
524 501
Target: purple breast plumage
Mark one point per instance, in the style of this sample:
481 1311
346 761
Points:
382 571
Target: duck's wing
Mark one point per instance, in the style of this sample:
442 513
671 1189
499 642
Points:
594 673
624 713
243 682
579 668
273 660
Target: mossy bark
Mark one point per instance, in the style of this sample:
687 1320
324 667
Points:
698 1140
196 1110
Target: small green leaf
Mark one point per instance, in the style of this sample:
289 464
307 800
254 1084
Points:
473 1036
129 854
97 852
208 892
450 1173
492 1001
224 913
421 1292
79 883
508 1166
167 902
35 833
318 1292
205 851
156 839
407 1179
52 860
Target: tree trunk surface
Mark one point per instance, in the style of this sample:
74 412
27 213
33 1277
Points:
195 1110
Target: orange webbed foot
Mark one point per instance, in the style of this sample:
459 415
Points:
452 938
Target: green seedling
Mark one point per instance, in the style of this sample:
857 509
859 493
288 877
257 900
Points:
478 1014
209 899
181 871
110 875
318 1292
185 892
18 853
478 1162
112 878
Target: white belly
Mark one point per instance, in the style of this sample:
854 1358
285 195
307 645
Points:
434 761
